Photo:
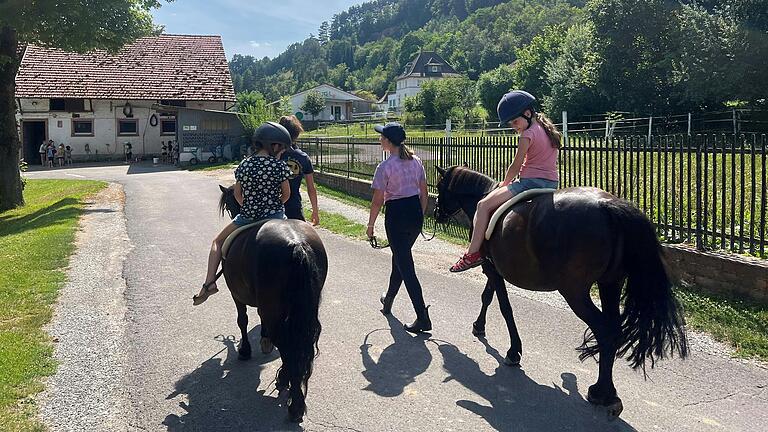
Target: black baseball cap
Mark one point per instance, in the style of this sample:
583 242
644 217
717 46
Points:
393 131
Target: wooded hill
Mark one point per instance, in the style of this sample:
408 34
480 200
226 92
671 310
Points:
648 56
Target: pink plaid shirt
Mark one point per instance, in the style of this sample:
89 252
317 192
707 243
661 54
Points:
399 178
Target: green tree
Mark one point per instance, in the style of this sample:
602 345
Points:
493 84
572 76
250 98
314 103
633 40
72 25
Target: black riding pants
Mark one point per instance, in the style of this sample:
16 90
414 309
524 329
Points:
403 222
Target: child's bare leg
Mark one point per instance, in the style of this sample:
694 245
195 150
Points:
214 259
485 209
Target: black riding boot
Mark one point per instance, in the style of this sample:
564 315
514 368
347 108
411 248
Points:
386 304
422 323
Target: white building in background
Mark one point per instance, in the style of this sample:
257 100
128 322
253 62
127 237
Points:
340 105
96 102
426 66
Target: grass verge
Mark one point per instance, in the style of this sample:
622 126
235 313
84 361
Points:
212 167
740 324
35 241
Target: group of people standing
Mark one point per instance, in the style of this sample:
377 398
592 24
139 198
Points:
399 185
51 156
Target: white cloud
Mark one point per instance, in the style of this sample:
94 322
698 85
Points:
259 44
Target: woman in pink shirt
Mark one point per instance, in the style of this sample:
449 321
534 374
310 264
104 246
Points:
535 162
400 183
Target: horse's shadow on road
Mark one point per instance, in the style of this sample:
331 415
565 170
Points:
224 395
518 403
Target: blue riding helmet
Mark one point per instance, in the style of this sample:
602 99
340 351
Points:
512 106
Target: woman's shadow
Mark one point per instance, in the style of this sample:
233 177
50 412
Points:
398 364
224 395
519 403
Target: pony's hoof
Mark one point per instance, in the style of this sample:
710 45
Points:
266 345
244 353
478 330
613 404
512 359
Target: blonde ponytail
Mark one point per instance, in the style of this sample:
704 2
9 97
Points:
554 135
405 152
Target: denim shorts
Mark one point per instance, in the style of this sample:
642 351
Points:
241 220
524 184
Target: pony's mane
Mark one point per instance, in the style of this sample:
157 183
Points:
462 180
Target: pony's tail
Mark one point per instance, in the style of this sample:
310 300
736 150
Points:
302 327
652 323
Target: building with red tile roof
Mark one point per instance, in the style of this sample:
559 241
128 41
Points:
98 102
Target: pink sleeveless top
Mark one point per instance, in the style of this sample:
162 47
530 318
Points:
541 159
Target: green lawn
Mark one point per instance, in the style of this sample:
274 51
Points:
35 243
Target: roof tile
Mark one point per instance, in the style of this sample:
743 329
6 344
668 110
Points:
157 67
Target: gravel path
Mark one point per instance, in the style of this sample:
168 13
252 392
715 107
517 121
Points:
87 392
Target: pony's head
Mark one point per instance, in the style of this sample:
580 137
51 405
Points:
227 202
456 184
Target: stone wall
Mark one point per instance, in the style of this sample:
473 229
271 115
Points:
719 273
709 272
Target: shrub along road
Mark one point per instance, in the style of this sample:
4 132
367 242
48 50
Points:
180 370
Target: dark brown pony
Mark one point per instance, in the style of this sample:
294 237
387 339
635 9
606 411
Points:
567 241
279 267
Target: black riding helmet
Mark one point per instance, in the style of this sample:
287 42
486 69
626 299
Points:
513 104
272 133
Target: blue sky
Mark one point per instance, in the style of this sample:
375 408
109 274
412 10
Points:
258 28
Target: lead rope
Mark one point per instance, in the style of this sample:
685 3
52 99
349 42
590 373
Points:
375 243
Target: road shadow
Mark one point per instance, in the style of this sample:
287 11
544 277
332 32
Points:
224 396
149 168
515 402
47 216
398 364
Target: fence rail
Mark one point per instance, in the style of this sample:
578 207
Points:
708 190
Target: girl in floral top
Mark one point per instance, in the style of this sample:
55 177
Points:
261 188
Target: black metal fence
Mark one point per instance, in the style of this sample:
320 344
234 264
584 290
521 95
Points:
708 189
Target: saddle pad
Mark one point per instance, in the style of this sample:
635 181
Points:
231 238
522 196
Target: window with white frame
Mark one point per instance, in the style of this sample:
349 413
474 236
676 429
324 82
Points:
128 127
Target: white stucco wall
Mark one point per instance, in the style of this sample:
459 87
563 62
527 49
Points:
105 141
333 97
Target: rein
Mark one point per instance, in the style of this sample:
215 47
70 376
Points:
373 241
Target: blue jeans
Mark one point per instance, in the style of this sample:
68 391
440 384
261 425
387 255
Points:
241 220
523 184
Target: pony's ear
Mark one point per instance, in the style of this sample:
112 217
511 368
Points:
440 171
223 189
465 164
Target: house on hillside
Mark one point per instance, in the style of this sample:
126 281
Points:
426 66
339 104
387 102
97 102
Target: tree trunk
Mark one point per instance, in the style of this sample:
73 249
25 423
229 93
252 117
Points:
10 180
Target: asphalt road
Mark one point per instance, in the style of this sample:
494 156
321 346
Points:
179 369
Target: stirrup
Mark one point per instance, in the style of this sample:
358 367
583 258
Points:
207 292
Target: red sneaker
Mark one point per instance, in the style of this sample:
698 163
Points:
467 261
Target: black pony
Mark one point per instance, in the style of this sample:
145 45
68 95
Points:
567 241
279 267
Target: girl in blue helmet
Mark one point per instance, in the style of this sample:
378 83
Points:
535 163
